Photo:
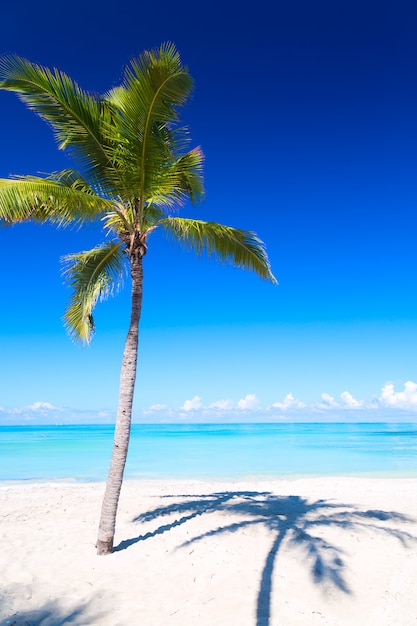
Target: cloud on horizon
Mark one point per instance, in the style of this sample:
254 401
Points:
289 402
390 405
45 413
249 403
192 405
345 407
406 399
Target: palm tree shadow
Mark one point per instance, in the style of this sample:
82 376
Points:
52 614
292 519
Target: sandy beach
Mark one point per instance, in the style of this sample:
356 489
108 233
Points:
328 551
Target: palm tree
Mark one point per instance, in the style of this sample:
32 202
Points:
137 169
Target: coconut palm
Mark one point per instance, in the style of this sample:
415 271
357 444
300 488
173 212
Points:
135 169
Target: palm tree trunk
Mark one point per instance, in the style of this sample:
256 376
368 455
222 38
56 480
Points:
124 413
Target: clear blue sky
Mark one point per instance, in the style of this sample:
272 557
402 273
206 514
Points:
307 115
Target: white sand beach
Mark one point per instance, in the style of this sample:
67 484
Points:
328 551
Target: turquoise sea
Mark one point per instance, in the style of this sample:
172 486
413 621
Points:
230 451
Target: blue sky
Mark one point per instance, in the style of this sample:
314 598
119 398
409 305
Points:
306 113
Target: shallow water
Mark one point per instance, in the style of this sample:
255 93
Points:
230 451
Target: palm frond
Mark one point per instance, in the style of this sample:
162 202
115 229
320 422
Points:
190 169
62 198
92 274
153 88
76 116
182 179
242 248
120 220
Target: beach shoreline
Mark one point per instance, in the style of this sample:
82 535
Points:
325 550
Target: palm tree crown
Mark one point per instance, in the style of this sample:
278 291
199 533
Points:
137 168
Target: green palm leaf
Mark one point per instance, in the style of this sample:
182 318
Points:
94 274
172 185
77 117
243 248
153 87
62 198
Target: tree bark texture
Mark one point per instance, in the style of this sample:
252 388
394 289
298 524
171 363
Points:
124 413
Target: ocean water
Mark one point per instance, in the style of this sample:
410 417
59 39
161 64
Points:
204 451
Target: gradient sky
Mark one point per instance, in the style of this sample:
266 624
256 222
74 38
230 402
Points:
307 115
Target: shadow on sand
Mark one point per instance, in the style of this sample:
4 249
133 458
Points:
50 614
291 518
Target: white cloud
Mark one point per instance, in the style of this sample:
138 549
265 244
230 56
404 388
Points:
223 405
289 402
47 413
192 405
388 405
350 401
42 406
158 407
328 402
406 399
250 401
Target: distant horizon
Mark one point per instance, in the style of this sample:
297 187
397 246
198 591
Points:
190 424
